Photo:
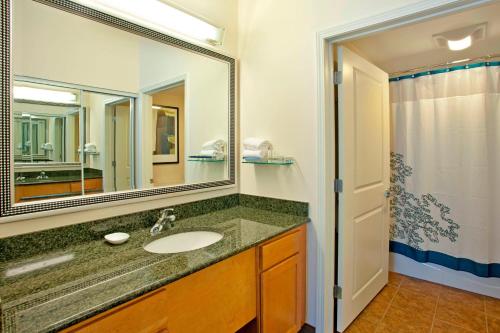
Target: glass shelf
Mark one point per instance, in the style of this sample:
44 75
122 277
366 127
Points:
272 161
205 159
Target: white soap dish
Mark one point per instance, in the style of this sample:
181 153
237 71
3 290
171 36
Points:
117 238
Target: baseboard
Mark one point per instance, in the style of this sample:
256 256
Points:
307 329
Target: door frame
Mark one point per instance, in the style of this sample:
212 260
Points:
113 103
325 40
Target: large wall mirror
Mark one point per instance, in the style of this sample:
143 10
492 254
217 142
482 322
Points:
98 109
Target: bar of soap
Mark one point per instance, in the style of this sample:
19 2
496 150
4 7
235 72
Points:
117 238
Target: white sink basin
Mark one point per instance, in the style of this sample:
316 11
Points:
186 241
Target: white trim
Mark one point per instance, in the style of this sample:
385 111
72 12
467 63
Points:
30 79
165 84
187 121
413 13
326 131
326 230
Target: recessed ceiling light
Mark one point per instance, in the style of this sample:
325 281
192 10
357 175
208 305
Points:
460 39
461 44
159 16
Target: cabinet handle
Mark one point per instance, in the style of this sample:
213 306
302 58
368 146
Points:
163 330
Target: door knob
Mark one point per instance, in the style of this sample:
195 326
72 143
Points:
387 193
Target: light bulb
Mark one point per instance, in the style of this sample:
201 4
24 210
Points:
460 44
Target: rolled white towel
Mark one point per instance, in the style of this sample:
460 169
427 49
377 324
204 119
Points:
214 145
256 144
90 148
47 146
254 154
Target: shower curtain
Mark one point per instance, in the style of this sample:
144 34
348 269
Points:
445 161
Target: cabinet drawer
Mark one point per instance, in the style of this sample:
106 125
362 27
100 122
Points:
40 191
144 315
280 249
90 185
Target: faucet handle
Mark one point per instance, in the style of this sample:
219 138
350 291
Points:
168 214
165 212
156 229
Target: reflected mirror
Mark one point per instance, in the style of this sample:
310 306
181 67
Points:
97 109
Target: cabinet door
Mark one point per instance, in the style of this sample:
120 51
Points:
143 315
219 299
280 304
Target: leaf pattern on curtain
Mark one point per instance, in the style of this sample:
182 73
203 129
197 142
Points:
412 214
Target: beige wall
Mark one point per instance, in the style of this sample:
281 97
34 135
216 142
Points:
278 95
206 103
171 174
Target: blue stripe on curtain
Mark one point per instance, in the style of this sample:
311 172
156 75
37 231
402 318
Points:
445 70
459 264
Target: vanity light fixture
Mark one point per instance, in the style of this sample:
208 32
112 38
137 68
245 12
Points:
44 95
159 16
461 39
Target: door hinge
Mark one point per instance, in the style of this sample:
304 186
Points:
338 185
337 77
113 163
337 292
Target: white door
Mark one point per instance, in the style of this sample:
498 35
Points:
363 156
122 147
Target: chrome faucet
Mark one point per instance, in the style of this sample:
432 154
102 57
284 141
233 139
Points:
166 215
42 175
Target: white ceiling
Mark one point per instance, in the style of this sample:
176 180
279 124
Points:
412 46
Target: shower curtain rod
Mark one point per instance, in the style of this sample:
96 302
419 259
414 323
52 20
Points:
446 64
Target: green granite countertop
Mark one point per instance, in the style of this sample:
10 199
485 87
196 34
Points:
54 179
95 276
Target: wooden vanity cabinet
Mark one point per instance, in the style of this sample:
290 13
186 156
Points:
263 287
283 283
220 298
25 193
146 314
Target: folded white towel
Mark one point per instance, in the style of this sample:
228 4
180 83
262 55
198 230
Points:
254 154
213 153
214 145
256 144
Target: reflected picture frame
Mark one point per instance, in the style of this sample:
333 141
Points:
167 138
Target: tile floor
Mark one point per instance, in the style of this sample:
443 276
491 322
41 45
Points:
411 305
